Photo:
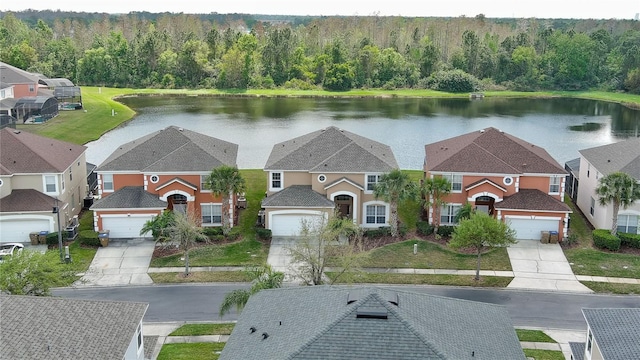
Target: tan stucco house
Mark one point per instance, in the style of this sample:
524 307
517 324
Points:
311 175
515 181
34 171
612 334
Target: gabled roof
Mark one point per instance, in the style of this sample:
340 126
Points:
616 331
13 75
483 181
622 156
39 327
172 149
177 180
27 200
297 196
321 322
577 350
130 197
344 179
532 199
489 151
331 150
22 152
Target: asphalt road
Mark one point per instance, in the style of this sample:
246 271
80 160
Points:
200 302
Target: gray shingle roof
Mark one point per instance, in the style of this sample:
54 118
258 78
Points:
490 151
27 200
172 149
332 150
318 323
55 328
13 75
616 331
621 156
24 153
297 196
532 199
577 350
130 197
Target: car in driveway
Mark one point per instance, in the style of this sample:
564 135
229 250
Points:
9 249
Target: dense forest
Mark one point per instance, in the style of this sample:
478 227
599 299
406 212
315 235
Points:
461 54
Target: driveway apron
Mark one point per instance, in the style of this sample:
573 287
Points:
538 266
123 262
279 258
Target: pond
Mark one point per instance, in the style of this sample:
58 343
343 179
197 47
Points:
562 126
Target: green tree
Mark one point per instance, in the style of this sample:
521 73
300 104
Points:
481 232
393 187
262 277
158 225
339 77
33 273
435 190
185 231
225 181
620 190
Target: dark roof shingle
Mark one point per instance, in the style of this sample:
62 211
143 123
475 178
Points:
297 196
130 197
532 199
27 200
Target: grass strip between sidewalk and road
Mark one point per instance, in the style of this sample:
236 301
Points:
419 279
191 351
534 336
199 277
612 288
537 354
204 329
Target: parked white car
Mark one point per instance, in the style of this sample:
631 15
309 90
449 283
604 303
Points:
9 249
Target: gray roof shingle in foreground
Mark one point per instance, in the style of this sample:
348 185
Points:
39 328
320 323
130 197
616 331
621 156
297 196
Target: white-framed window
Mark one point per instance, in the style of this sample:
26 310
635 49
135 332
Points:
139 331
203 183
456 182
628 224
322 178
448 213
588 169
73 201
211 214
275 181
62 183
107 182
507 180
554 185
372 180
154 179
50 184
589 342
32 88
70 174
376 214
592 207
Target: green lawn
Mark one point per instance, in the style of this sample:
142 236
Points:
204 329
612 288
599 263
256 183
544 354
533 336
191 351
199 277
414 279
242 253
433 256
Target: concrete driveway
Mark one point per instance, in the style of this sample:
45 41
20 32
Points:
279 258
538 266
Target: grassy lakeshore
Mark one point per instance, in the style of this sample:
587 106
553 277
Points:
81 127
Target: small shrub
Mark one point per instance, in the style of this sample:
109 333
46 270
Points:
630 240
52 238
234 234
263 234
215 238
571 239
446 230
211 231
377 233
402 229
424 228
603 239
88 238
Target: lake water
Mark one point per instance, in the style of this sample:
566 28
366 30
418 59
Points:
562 126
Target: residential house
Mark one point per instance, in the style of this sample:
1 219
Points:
601 161
311 175
24 83
572 181
612 334
7 101
34 172
165 170
505 176
322 322
35 328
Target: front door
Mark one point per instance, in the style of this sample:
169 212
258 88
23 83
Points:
344 205
178 203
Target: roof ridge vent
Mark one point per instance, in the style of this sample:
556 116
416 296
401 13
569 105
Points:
372 312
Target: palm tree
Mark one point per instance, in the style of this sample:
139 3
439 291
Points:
435 190
262 277
225 181
157 225
186 232
620 190
393 187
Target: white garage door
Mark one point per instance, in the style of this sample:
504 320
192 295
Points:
290 224
17 230
530 229
125 226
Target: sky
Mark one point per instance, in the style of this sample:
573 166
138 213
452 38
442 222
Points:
580 9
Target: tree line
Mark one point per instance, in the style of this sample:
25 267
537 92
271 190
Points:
336 53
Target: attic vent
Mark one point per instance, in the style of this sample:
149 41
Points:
180 129
16 131
370 312
392 298
353 297
482 131
264 335
252 329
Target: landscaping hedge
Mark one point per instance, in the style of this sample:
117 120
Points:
376 233
630 240
446 230
211 231
88 238
424 228
263 234
52 238
603 239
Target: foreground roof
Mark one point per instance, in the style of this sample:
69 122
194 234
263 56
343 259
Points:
172 149
322 322
532 199
616 331
490 151
331 150
622 156
130 197
27 200
22 152
296 196
58 328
